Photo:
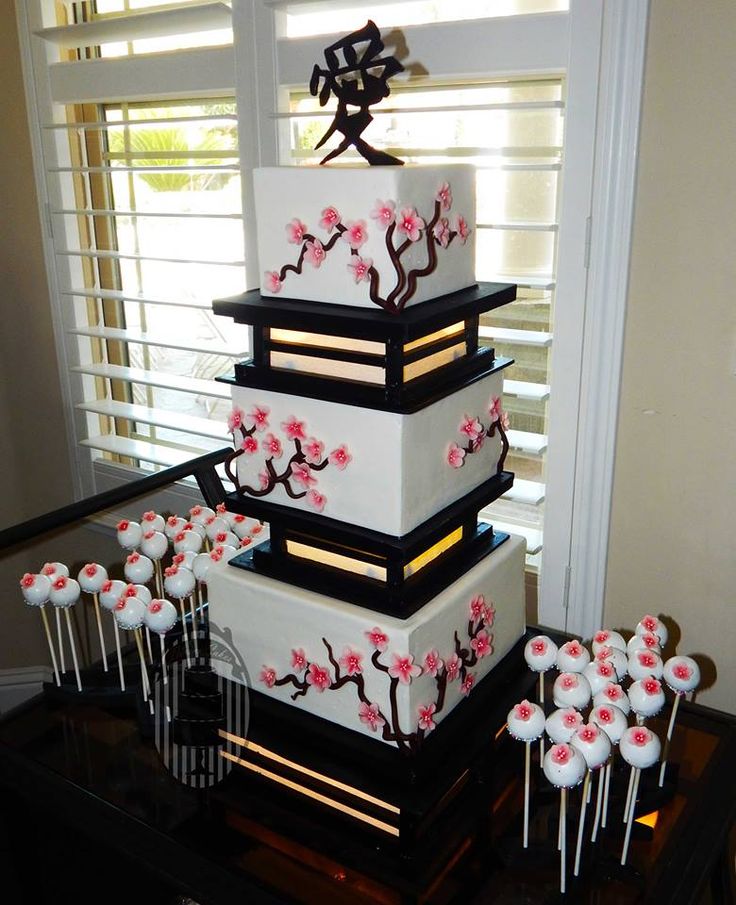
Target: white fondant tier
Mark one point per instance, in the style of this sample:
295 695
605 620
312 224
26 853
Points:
384 471
278 631
334 224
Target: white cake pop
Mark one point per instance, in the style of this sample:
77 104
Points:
613 694
655 626
646 697
201 566
223 513
647 641
187 541
110 592
92 577
682 674
540 653
223 552
129 613
179 583
640 747
140 591
154 544
197 529
525 721
54 570
160 616
240 527
617 658
572 657
643 663
571 690
35 589
593 743
64 591
198 515
129 534
138 568
599 673
225 539
214 526
151 521
185 560
561 724
607 638
564 767
174 524
611 720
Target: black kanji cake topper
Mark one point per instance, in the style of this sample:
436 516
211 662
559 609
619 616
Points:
359 79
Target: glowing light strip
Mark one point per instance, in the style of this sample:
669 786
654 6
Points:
339 343
451 330
328 558
329 367
432 362
433 552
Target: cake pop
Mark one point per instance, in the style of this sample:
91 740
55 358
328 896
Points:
35 590
160 617
564 767
239 526
185 560
682 675
130 534
607 638
526 723
151 521
138 568
179 583
617 658
643 663
572 657
197 529
130 614
53 570
91 578
540 653
613 694
655 626
144 595
154 545
613 722
225 538
187 541
599 673
571 690
223 552
595 746
64 593
640 748
561 725
110 592
215 525
647 641
198 515
174 524
646 697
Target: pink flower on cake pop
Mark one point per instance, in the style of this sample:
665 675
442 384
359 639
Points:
604 653
193 512
316 500
404 669
613 692
467 685
377 638
302 474
60 583
432 662
220 509
539 647
217 554
150 516
257 418
425 717
340 457
169 570
106 587
649 640
523 710
477 609
134 557
249 445
455 456
641 736
369 714
28 580
560 754
650 623
647 659
178 558
351 661
294 428
605 670
601 637
482 644
444 196
355 233
384 213
463 230
132 591
256 529
91 569
268 676
314 253
318 677
569 680
682 672
295 230
272 446
123 525
588 733
471 427
605 715
410 223
50 568
329 218
272 280
452 668
441 231
234 420
298 659
361 268
651 686
573 648
313 450
120 605
571 718
246 542
264 479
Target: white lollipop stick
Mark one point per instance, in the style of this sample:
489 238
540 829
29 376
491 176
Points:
636 773
52 650
60 638
96 600
184 630
581 825
194 626
563 837
604 816
541 704
598 800
73 647
527 764
159 579
148 645
628 797
117 650
144 671
165 676
670 727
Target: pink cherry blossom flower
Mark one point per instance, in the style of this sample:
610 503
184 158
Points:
523 710
605 714
404 669
302 474
122 525
425 717
329 219
471 427
264 479
256 529
295 231
314 253
272 446
193 512
272 280
90 570
600 637
568 680
605 670
650 623
313 450
50 568
384 213
444 196
134 557
452 667
441 232
249 445
235 420
361 268
410 223
560 754
462 229
178 558
245 542
477 607
131 590
377 638
604 653
650 640
370 715
539 647
482 644
432 663
571 718
641 736
220 508
455 456
682 671
351 661
588 733
298 659
257 417
467 685
319 677
647 659
316 500
613 692
293 428
489 615
268 676
340 457
356 233
494 409
651 686
60 583
573 649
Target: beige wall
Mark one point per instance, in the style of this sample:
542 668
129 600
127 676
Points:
673 533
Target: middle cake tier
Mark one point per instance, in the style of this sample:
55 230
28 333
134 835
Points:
386 471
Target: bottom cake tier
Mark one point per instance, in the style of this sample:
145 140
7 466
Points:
388 678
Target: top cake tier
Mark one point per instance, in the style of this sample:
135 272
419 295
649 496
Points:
366 236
